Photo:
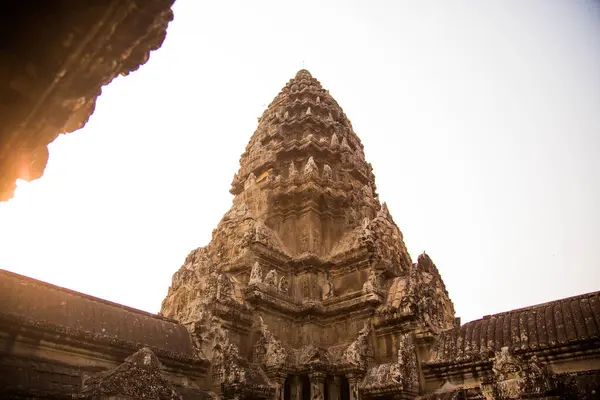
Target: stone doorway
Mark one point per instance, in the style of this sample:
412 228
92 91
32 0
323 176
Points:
305 385
344 388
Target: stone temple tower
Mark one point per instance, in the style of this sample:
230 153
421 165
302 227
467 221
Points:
306 290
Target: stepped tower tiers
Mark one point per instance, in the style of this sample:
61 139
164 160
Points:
306 288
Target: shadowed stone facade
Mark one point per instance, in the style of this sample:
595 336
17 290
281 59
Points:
305 292
56 56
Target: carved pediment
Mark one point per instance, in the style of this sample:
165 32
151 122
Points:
421 292
311 354
398 376
268 350
140 376
514 377
357 352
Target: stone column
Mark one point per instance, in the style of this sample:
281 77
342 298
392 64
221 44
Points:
334 388
279 381
354 381
296 388
317 390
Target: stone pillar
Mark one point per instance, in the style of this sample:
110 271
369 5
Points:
334 388
317 390
296 388
354 381
279 381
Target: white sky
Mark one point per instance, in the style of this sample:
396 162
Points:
481 120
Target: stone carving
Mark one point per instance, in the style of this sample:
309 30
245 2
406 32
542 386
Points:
293 171
317 393
371 285
310 169
255 274
138 377
421 292
283 285
407 361
515 378
224 287
345 144
271 278
402 373
328 290
354 391
306 287
269 350
312 355
334 138
356 353
327 173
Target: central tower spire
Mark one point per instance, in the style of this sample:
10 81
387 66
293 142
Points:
307 166
306 263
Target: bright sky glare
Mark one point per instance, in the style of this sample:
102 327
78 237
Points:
481 120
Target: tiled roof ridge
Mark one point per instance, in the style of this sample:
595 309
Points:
84 295
19 320
531 307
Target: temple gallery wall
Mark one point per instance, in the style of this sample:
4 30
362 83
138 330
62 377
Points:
305 292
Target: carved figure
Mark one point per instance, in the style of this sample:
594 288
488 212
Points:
328 290
310 169
256 273
271 278
224 287
327 173
317 394
371 285
283 285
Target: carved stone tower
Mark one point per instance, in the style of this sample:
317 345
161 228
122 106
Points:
306 290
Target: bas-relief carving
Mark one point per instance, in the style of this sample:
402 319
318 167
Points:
256 273
372 283
403 372
327 291
268 350
513 377
356 352
283 286
271 278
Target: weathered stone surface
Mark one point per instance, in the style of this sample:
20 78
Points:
306 246
319 282
56 56
566 322
515 378
31 301
52 339
138 377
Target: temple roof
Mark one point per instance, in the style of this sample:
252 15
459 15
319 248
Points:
568 321
24 300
